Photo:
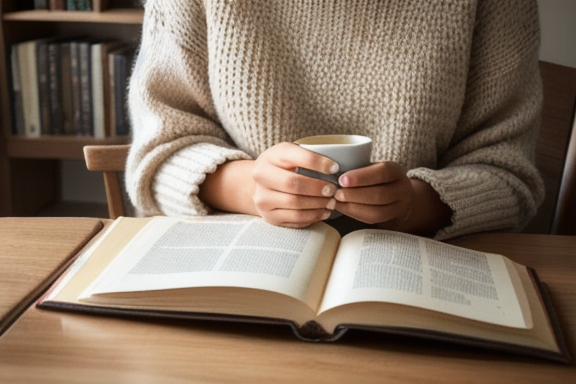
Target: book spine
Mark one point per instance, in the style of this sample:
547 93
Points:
55 81
86 88
107 84
83 5
57 5
17 109
112 86
41 4
43 87
67 91
119 87
70 5
76 88
29 77
102 5
97 91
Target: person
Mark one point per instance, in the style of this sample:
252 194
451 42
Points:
449 92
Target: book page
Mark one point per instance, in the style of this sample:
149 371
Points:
222 251
383 266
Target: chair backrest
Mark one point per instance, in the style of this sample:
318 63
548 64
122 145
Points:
565 215
111 161
555 157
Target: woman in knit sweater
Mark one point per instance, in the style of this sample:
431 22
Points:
449 92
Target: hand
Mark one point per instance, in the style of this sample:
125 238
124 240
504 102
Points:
269 187
283 197
378 193
383 195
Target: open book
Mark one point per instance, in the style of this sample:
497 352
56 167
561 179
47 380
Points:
237 267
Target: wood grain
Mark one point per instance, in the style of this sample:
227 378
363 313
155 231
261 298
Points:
32 252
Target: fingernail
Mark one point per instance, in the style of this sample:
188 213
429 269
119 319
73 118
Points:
326 215
328 190
344 181
334 168
331 204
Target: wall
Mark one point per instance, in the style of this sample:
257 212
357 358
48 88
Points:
558 25
79 184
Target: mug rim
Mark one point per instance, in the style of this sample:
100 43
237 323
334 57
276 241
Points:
313 140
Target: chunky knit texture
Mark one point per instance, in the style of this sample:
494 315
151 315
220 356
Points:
449 89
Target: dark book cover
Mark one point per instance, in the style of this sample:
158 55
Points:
57 5
55 81
41 4
42 68
122 66
67 91
83 5
76 88
85 64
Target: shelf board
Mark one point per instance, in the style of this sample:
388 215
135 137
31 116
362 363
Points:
111 16
55 147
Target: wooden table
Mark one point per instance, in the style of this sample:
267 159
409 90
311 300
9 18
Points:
53 347
32 252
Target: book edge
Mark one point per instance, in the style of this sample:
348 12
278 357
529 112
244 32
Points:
311 331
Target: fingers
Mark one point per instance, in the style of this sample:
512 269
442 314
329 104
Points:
379 193
284 197
294 211
290 182
378 184
290 156
375 214
375 204
377 173
295 218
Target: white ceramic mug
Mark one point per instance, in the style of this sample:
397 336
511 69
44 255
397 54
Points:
349 151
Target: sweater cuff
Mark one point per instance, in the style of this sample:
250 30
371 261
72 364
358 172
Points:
177 181
478 203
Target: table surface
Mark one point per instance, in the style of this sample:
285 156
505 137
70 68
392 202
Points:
56 347
32 252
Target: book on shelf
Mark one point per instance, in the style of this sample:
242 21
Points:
65 83
57 5
24 64
64 86
43 79
101 88
41 4
17 107
78 5
239 268
119 65
85 71
81 74
54 77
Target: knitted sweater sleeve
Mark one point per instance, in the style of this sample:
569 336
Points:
177 138
487 175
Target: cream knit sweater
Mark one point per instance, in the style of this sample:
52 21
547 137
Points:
449 89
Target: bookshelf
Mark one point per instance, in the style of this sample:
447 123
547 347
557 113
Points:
30 166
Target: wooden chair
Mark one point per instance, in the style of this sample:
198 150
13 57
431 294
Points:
556 152
565 216
555 157
111 161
